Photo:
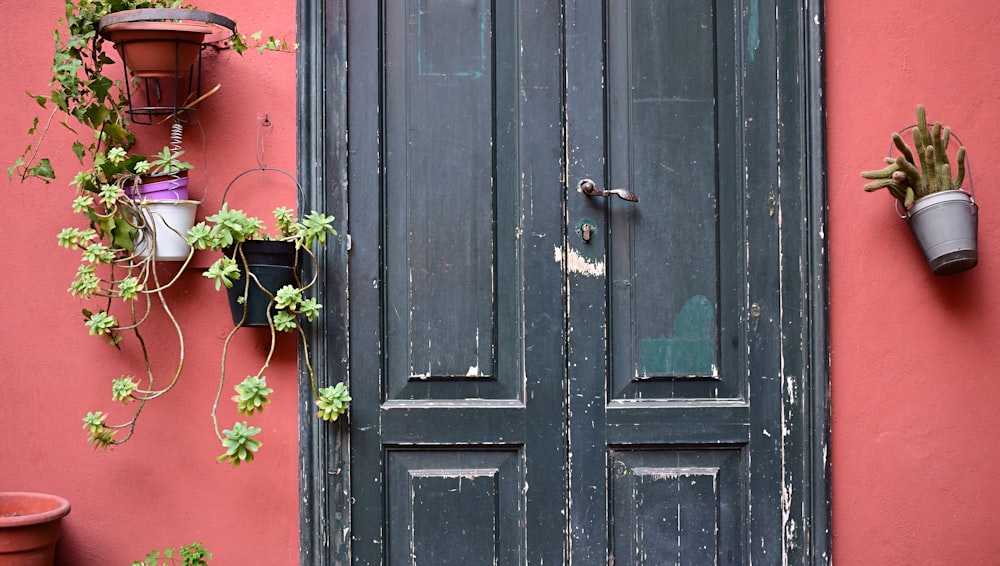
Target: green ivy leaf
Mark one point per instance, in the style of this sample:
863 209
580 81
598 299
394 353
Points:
43 170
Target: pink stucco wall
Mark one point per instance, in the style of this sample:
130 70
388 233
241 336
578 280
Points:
915 362
163 488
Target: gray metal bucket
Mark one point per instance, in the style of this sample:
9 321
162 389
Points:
945 225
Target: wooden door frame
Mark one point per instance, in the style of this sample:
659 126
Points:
322 105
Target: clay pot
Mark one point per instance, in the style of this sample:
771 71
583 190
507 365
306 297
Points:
30 527
157 49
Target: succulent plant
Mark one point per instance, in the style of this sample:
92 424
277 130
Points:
917 173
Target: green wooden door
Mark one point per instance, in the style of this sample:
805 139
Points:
545 377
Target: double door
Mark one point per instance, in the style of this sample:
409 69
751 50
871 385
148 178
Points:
546 376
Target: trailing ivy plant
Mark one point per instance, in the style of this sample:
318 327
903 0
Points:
227 231
120 287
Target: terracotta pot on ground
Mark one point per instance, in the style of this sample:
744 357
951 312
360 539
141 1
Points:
30 527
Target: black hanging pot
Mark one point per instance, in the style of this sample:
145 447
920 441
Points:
271 262
265 265
945 224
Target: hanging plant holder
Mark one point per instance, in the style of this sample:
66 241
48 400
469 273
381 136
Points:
928 190
162 48
946 225
268 266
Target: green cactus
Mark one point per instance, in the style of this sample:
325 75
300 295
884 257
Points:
905 179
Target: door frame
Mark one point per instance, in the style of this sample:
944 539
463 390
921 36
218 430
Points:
322 105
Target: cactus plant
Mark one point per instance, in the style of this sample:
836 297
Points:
915 174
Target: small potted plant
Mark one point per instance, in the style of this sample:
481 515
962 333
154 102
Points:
942 216
162 195
163 177
269 294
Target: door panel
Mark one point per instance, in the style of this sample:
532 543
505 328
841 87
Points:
527 395
443 301
457 331
427 487
671 100
673 506
661 425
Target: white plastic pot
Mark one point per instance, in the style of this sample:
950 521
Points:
169 221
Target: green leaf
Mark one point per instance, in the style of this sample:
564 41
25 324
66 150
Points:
122 388
316 227
100 87
122 234
129 288
252 395
240 444
79 150
332 402
40 99
223 271
98 435
309 308
287 297
43 169
101 323
199 236
284 321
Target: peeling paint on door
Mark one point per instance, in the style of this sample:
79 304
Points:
577 263
690 351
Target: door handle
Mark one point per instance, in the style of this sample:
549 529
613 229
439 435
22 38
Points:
589 188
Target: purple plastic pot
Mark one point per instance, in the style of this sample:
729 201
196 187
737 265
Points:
171 189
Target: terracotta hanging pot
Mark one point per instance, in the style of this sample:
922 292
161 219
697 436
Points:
30 527
157 49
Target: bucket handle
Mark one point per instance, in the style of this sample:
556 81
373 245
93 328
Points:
968 172
298 186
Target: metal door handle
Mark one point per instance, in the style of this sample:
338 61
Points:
589 188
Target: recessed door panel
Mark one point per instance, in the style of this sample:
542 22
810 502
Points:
677 506
447 208
428 488
673 261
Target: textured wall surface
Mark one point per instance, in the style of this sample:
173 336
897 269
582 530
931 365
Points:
914 361
162 488
914 356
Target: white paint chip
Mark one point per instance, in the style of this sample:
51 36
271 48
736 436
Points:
576 263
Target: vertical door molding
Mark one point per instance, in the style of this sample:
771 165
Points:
321 110
805 296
